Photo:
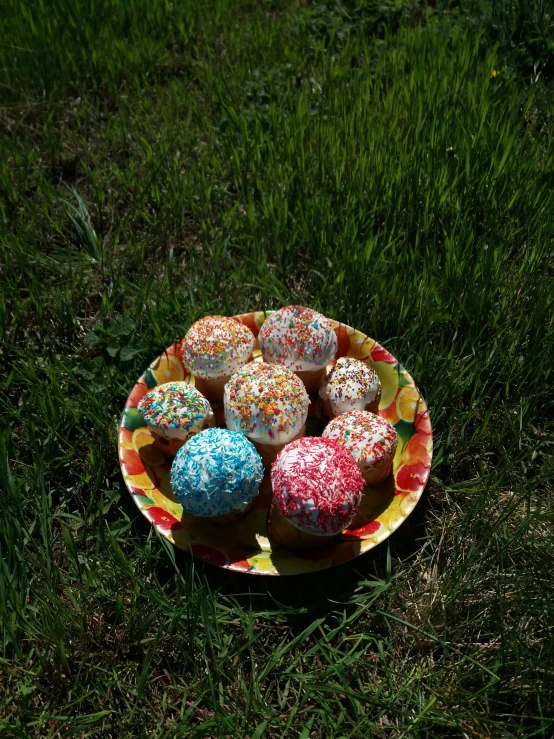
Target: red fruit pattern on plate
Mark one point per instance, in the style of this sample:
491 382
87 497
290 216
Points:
422 423
175 349
249 320
380 354
136 491
418 449
136 394
237 560
161 518
343 341
412 478
367 530
131 461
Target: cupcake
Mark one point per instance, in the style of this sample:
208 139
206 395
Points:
300 339
216 476
371 440
174 412
213 348
269 405
350 386
317 488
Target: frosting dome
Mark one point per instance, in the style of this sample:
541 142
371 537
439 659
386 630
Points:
370 439
216 472
317 485
350 386
174 409
266 402
216 346
299 338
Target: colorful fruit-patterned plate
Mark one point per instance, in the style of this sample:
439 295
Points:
243 546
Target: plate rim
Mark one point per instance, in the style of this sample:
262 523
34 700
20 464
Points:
167 524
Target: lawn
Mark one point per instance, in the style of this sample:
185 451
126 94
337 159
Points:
389 163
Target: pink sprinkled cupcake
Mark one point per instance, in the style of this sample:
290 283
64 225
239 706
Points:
370 439
317 489
302 340
213 349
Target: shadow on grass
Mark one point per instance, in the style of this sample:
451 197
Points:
299 596
316 594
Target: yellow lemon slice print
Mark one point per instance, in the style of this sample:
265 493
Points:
167 368
409 403
143 443
389 378
164 502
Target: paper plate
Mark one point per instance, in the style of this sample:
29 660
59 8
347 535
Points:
244 546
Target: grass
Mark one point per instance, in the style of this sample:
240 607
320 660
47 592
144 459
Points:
163 160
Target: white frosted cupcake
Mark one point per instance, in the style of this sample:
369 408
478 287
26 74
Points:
350 386
213 349
370 439
267 403
174 412
300 339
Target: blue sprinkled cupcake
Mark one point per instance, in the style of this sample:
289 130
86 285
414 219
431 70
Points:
217 475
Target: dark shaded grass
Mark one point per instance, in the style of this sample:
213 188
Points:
160 161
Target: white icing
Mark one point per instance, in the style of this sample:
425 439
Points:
175 410
260 432
254 424
344 389
198 347
311 511
298 338
183 434
369 446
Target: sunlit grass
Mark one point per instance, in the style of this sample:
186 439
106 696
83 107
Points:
163 160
